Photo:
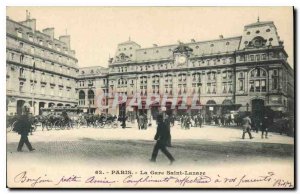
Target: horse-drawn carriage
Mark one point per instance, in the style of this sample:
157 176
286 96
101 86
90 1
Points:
11 121
68 117
59 118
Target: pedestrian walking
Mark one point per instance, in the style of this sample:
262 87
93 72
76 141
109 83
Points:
264 127
162 136
168 127
23 127
200 120
247 127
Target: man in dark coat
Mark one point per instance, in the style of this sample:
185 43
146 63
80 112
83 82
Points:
162 136
264 127
168 126
23 127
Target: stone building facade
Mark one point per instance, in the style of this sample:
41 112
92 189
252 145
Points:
39 68
242 73
92 82
245 73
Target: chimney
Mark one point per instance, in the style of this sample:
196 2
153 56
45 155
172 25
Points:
49 32
221 36
193 40
31 23
66 39
27 15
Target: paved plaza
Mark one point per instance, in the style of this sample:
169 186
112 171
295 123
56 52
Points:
211 149
206 145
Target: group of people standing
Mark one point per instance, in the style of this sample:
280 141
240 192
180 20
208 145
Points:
187 121
263 125
142 121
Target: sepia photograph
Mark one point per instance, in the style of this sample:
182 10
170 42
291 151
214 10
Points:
150 97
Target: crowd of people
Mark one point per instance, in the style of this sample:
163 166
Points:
165 122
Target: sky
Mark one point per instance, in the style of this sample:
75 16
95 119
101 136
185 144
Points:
96 31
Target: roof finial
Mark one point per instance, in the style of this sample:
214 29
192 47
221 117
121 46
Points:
257 18
66 31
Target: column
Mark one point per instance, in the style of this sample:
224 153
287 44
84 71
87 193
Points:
137 84
161 84
175 84
188 81
219 82
149 84
36 108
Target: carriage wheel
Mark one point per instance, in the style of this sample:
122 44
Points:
63 125
109 124
12 126
101 125
96 124
57 125
34 127
69 125
115 125
49 125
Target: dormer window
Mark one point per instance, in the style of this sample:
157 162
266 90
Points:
58 48
248 33
40 42
19 34
30 38
268 30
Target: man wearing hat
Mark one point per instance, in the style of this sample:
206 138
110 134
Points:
23 127
264 127
162 137
247 127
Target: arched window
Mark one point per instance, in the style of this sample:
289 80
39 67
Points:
81 97
91 97
258 80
